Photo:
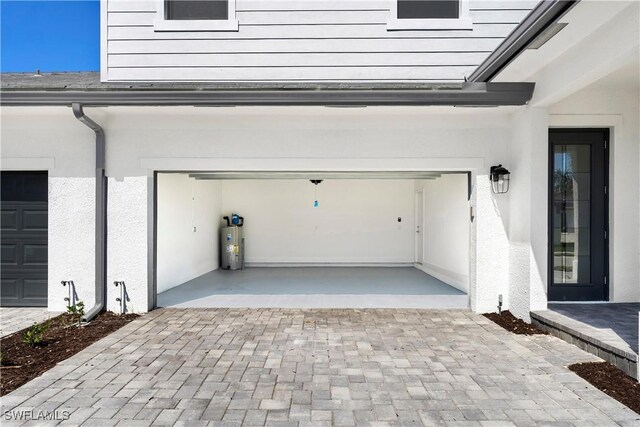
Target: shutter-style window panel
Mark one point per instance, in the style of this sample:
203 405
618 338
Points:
428 9
187 10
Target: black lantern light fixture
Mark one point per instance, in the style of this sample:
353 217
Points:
499 177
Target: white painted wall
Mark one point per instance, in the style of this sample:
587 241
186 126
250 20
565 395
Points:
126 226
446 229
355 223
188 222
527 228
140 140
619 110
57 142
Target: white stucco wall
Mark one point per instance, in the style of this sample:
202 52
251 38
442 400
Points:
126 254
141 140
356 221
528 158
328 139
446 229
58 143
189 214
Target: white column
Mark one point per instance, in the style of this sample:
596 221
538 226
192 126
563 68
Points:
127 244
490 249
71 243
528 234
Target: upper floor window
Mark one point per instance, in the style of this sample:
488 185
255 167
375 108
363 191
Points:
430 15
196 9
428 9
196 15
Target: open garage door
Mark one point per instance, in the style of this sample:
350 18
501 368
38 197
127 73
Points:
313 239
24 239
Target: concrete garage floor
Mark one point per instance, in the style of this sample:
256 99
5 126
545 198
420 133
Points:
255 367
315 287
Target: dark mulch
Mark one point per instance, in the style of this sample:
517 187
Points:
513 324
607 378
22 363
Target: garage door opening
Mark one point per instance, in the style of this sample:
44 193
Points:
314 239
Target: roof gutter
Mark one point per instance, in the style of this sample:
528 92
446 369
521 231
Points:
470 94
101 214
540 18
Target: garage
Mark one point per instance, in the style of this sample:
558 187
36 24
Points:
24 239
312 239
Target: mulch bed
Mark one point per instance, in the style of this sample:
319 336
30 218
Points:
511 323
63 338
607 378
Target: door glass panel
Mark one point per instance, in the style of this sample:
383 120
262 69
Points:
571 214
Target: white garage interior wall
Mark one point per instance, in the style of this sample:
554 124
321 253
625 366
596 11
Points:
356 224
188 218
446 229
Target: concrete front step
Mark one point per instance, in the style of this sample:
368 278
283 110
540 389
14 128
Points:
589 339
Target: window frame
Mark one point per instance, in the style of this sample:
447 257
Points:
161 23
463 22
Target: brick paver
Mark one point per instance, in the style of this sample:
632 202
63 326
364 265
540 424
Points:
13 319
320 367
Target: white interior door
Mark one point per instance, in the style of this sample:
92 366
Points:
419 226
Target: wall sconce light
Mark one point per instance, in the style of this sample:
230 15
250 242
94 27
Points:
499 177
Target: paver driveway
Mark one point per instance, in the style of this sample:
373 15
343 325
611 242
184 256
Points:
320 367
13 319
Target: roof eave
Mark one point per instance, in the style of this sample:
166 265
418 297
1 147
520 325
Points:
540 18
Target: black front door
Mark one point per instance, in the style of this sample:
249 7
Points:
24 239
578 214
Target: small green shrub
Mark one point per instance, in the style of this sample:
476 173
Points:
76 311
34 336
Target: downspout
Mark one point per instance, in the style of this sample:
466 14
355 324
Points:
101 214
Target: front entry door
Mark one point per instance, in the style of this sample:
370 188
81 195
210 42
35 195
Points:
578 214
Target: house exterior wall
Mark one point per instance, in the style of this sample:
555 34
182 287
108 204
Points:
141 140
58 143
288 41
508 241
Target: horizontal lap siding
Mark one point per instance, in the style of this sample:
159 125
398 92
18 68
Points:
304 40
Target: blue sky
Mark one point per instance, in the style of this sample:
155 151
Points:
50 35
